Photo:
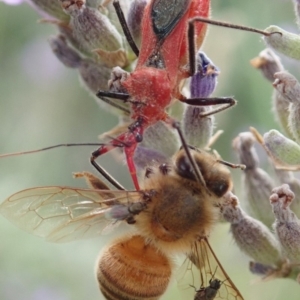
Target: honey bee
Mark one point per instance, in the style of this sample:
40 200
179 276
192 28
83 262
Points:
173 214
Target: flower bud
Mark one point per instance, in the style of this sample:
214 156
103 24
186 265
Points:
67 55
51 8
145 157
297 10
94 3
261 269
162 138
251 235
134 19
243 145
289 87
287 225
257 184
281 111
284 152
198 129
283 41
91 28
294 184
284 270
268 62
204 81
94 75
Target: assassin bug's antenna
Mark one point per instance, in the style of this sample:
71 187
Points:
100 169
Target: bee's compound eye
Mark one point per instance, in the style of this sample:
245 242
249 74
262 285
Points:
184 168
132 269
218 187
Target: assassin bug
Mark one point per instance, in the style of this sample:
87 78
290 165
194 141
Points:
172 30
162 64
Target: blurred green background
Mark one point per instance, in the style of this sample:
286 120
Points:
42 103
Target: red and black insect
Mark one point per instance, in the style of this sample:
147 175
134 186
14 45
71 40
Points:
167 56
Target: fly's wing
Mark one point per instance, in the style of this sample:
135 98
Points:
165 14
200 268
62 214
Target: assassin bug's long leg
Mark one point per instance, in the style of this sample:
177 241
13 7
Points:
125 28
191 35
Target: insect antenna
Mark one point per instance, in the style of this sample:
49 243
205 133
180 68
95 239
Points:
100 169
186 148
49 148
231 165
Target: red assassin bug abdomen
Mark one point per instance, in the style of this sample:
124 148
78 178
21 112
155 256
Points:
166 34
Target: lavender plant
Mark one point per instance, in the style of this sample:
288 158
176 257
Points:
273 199
90 40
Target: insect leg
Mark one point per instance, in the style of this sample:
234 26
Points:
113 104
229 25
120 96
192 48
226 101
129 142
102 150
191 36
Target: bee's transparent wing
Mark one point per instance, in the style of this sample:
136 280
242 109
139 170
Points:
62 214
201 266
